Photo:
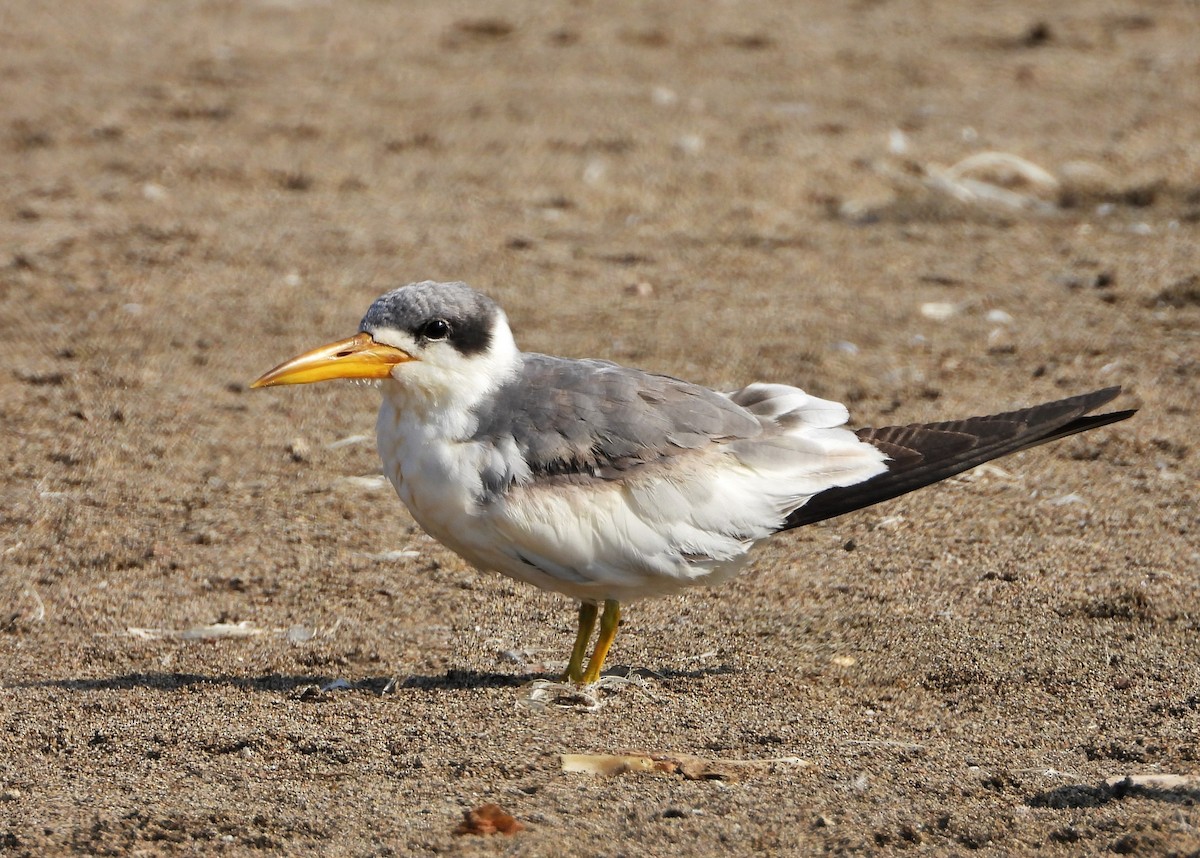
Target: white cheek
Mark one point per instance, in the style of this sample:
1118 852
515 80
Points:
443 378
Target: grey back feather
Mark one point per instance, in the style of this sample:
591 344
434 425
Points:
590 419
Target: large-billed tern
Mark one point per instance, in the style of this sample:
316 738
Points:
610 484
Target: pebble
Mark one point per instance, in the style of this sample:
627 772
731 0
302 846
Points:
690 144
939 311
300 634
663 96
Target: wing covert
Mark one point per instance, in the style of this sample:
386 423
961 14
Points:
590 419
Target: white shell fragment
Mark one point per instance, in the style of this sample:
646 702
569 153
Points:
940 311
690 767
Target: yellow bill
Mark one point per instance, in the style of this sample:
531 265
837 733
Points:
356 357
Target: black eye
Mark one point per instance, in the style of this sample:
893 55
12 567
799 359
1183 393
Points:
435 329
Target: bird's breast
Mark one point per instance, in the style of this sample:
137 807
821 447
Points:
437 478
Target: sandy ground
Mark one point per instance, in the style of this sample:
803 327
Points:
193 191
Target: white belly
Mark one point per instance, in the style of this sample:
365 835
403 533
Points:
589 542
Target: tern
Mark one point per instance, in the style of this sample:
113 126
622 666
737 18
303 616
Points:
610 484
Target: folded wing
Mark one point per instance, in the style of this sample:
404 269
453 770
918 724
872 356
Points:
925 453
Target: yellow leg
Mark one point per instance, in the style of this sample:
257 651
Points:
609 621
587 622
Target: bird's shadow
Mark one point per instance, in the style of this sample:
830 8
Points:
1076 796
451 680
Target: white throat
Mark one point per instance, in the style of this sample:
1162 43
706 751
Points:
425 427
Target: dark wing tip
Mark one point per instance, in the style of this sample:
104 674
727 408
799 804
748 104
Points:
924 453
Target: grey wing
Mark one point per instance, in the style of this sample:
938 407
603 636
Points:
610 483
589 420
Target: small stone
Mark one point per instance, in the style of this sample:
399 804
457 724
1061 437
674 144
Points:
488 819
690 144
298 634
663 96
595 172
939 311
299 450
1000 342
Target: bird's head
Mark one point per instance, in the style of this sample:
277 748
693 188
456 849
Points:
438 341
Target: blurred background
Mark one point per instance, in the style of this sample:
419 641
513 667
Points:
924 209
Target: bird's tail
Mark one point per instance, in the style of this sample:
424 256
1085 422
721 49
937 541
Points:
924 453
